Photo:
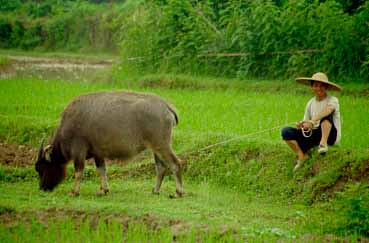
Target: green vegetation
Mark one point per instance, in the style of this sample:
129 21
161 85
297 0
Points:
353 206
227 66
206 114
97 229
257 167
4 61
247 38
57 25
205 208
262 38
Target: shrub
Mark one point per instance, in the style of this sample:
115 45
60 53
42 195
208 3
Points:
361 23
7 6
18 32
32 37
56 30
5 32
37 10
268 39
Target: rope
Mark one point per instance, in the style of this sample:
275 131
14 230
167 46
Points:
236 138
307 133
209 146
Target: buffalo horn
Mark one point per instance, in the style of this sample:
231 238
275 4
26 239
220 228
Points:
40 150
47 151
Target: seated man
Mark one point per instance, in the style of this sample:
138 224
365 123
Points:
321 124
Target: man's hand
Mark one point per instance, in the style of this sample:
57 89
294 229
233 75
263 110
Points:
306 125
299 124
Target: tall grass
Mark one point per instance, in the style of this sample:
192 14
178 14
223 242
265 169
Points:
267 40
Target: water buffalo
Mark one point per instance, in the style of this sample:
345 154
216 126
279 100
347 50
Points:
110 125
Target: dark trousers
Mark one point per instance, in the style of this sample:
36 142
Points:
291 133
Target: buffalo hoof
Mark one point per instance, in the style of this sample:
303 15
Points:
155 192
74 194
102 192
178 195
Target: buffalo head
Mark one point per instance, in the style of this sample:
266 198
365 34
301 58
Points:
50 173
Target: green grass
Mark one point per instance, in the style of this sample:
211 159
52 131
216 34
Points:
4 61
68 230
206 208
203 204
246 184
204 114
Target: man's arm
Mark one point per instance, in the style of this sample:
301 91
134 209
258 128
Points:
329 109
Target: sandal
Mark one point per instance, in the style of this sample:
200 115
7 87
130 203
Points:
298 165
322 148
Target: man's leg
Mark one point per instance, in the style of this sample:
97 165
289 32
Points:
290 136
326 127
296 148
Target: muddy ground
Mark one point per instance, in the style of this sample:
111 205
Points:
25 155
69 68
17 155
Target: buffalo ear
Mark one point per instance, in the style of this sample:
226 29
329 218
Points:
47 151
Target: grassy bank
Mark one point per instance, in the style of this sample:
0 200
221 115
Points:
205 207
208 209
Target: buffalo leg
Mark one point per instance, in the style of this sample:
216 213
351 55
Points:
79 166
174 164
101 169
160 172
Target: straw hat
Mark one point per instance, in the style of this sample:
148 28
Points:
319 77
